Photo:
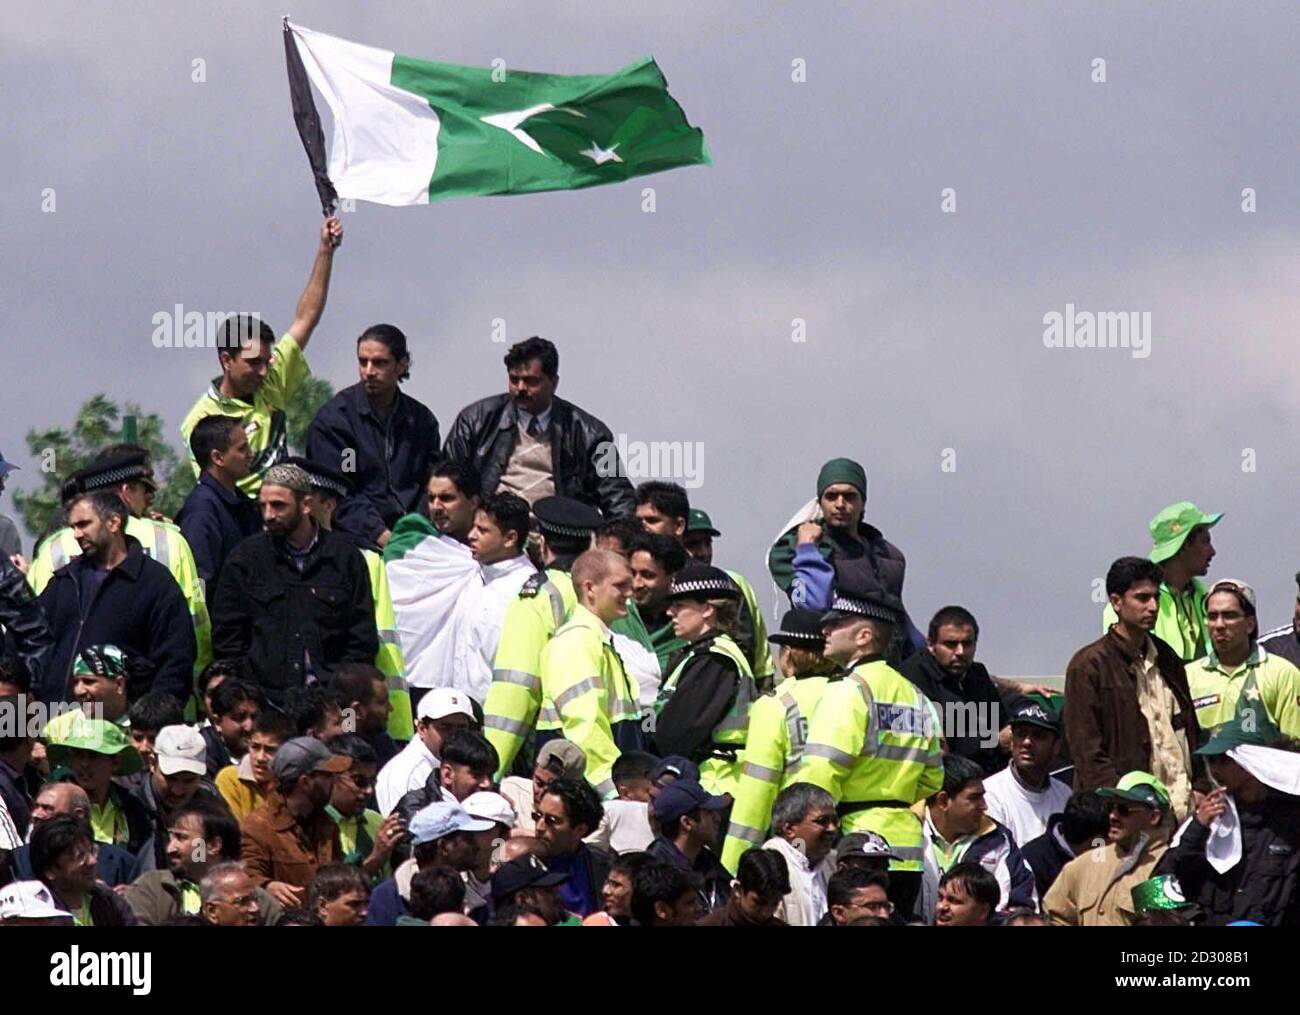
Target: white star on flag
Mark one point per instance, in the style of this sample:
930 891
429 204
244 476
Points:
600 155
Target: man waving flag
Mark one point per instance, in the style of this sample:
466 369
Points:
410 131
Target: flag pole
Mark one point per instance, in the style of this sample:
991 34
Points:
308 122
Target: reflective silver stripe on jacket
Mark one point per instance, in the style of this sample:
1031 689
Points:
557 603
739 831
793 729
893 752
577 691
761 772
827 751
162 550
512 726
520 677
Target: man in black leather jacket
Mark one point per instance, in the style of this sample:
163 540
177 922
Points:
533 444
27 638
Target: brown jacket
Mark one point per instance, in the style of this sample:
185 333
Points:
155 898
276 847
1107 732
1095 889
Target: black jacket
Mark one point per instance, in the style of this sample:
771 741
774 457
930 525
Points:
483 437
1046 856
714 879
703 695
267 610
26 634
975 687
139 608
388 461
1262 885
214 521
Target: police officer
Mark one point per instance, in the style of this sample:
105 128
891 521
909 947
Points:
564 527
703 707
587 696
126 471
778 729
331 487
872 742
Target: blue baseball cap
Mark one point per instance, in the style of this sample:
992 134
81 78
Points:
686 795
6 467
440 819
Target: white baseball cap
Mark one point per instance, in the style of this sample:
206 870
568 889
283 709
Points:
490 807
442 702
181 749
28 900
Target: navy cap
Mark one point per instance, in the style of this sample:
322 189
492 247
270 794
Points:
800 628
1028 712
854 598
678 766
523 872
111 472
322 477
564 516
686 795
5 467
702 581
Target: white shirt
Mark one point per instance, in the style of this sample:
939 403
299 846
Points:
1024 811
805 903
624 828
483 612
409 769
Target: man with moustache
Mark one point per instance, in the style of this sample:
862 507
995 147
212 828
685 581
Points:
113 594
294 599
530 443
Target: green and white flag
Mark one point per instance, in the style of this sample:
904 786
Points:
410 131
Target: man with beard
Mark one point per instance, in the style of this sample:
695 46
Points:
287 838
383 438
113 594
201 835
295 599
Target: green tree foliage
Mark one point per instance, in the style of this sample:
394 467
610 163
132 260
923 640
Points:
63 450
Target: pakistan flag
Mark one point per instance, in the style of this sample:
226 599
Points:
410 131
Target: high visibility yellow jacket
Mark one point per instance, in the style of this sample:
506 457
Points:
160 540
588 697
720 767
388 660
515 695
778 731
872 744
1216 690
760 658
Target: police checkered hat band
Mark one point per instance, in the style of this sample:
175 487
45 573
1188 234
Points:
862 608
563 530
321 482
703 581
107 474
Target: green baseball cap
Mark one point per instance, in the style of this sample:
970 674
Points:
699 521
1139 788
1170 528
1163 892
99 736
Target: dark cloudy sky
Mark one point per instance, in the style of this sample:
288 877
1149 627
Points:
924 329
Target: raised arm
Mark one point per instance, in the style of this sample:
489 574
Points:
311 304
